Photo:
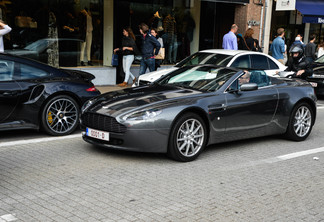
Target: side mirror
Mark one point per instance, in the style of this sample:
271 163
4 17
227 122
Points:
249 87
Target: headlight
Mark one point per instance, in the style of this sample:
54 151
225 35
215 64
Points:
142 115
86 105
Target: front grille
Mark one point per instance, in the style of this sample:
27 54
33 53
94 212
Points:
102 122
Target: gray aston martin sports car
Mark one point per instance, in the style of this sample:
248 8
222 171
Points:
192 107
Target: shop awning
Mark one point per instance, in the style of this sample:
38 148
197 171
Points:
312 11
310 7
229 1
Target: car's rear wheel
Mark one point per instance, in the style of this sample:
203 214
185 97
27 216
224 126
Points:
188 138
60 115
300 122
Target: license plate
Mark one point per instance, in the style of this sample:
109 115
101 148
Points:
314 84
101 135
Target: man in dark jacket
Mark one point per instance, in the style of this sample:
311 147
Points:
149 43
298 63
310 49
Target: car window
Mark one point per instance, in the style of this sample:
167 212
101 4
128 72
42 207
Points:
272 64
242 62
205 58
260 78
29 72
259 62
6 70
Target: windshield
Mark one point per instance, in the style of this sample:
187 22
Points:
203 78
205 58
320 59
39 45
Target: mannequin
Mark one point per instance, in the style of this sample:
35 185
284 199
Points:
86 29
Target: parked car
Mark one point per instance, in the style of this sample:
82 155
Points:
317 79
68 49
221 57
194 106
34 95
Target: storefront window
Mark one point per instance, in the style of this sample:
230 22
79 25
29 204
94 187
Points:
64 33
172 19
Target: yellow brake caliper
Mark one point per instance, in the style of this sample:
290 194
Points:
49 117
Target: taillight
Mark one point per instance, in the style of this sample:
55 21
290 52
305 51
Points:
91 89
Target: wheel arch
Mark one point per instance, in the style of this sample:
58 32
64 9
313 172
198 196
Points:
61 93
310 102
197 110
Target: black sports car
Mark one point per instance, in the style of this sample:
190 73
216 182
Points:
34 95
317 79
192 107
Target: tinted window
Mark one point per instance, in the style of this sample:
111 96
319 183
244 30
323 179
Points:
205 58
6 70
242 62
29 72
272 64
259 62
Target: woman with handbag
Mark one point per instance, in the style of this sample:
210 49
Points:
248 40
159 58
127 50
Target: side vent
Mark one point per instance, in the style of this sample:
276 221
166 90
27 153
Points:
37 91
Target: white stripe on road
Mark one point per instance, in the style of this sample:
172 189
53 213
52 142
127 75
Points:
24 142
320 107
302 153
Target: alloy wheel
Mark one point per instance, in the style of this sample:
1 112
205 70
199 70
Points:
61 115
190 137
302 121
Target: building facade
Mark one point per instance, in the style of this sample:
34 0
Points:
85 32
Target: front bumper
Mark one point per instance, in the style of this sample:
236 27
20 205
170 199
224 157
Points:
138 140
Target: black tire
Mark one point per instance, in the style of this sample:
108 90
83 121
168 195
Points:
188 138
300 122
60 115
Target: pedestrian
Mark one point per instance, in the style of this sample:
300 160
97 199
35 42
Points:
4 29
154 32
248 40
230 39
149 44
128 51
310 49
320 50
277 47
298 41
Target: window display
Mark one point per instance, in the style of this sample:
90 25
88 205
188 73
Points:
58 32
172 20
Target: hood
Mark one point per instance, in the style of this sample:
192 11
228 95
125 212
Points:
152 76
122 101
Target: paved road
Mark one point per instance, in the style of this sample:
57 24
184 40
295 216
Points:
65 179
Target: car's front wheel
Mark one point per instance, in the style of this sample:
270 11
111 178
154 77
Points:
188 138
300 122
60 115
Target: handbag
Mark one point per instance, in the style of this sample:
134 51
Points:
161 54
114 60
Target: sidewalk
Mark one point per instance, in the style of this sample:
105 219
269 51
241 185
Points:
109 88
